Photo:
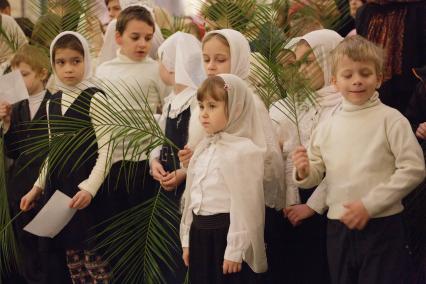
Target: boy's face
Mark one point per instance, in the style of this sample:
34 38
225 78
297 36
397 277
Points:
353 6
356 81
213 115
69 66
216 57
136 40
166 76
114 9
33 80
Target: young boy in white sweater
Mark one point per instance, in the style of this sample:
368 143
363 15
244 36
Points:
372 160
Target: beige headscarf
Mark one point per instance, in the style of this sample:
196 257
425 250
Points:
241 146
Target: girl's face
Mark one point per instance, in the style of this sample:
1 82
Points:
166 76
69 66
33 81
216 57
310 67
136 40
213 115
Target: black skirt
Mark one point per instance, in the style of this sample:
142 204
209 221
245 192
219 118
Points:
207 244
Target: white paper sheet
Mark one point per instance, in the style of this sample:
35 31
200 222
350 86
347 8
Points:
12 87
53 217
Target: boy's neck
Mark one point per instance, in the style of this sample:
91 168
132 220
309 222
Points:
36 92
179 88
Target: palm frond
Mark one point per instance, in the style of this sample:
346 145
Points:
142 241
8 248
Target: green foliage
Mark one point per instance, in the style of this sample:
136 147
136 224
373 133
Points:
141 239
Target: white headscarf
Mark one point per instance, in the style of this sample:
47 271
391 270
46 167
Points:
109 48
181 54
322 43
239 50
87 62
241 146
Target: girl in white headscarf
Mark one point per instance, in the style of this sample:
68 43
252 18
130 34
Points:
110 48
228 51
81 171
313 51
180 68
223 217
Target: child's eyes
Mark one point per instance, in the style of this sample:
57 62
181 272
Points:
77 61
148 38
135 38
201 106
212 105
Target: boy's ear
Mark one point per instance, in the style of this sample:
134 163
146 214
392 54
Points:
44 73
334 81
118 38
379 80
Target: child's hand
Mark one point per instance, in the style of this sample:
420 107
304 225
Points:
27 201
421 131
158 171
81 200
185 156
297 213
231 267
5 111
356 216
301 162
173 180
185 256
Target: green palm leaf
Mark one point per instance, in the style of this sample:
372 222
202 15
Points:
142 238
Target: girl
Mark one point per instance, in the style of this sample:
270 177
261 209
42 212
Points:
182 69
228 51
308 238
70 60
33 64
223 216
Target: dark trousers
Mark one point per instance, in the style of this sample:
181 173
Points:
374 255
207 244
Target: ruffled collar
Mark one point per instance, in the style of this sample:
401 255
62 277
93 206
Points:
180 102
349 107
328 96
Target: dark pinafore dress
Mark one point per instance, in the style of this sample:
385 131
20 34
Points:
177 131
75 167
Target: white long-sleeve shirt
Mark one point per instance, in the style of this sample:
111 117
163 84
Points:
370 154
209 195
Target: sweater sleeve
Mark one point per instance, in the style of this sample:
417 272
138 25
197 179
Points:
409 169
98 113
317 201
316 163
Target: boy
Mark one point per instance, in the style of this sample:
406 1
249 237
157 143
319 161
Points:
372 161
20 136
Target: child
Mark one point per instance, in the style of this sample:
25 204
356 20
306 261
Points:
33 64
114 8
180 68
223 216
70 60
110 48
139 72
308 238
372 161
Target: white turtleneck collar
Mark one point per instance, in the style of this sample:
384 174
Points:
34 102
349 107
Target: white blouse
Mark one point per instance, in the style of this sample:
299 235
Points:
209 195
